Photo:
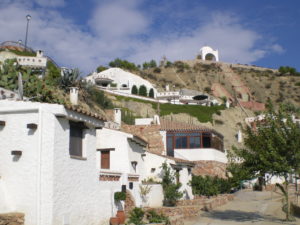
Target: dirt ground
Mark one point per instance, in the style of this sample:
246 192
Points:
248 207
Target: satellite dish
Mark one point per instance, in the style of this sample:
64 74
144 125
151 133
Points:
20 86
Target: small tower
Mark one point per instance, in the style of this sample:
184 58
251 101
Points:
207 53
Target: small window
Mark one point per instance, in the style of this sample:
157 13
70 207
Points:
206 141
181 142
76 136
105 159
195 142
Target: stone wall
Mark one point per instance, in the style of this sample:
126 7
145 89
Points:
12 219
186 209
210 168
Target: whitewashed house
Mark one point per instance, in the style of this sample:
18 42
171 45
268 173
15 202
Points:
49 165
119 81
121 161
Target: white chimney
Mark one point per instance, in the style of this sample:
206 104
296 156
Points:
227 104
117 115
167 87
239 136
39 53
74 95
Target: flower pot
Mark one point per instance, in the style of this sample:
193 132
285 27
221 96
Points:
121 216
114 221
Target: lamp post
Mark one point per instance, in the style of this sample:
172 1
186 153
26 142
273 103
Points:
28 17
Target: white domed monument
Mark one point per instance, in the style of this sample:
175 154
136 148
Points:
207 53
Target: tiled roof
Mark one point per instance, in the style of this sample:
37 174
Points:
85 112
169 125
180 126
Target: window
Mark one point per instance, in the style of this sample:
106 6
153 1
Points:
105 159
170 148
195 142
206 138
76 136
181 142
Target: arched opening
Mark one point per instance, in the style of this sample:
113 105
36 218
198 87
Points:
210 57
124 85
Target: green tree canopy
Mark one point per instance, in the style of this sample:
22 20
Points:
151 93
123 64
101 68
143 90
134 90
273 148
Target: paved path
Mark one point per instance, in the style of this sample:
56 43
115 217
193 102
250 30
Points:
248 207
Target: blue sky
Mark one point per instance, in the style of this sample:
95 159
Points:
89 33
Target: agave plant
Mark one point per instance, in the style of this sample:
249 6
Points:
69 78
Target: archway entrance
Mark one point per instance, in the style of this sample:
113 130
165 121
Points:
210 57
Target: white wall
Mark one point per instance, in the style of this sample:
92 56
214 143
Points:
155 197
125 152
200 154
45 183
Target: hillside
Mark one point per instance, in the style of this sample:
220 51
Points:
262 83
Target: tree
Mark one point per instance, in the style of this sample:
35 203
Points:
123 64
151 93
152 63
134 90
101 68
170 188
273 148
143 90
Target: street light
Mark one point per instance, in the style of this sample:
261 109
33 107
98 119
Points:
28 17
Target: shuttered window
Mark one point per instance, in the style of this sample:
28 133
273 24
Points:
105 159
76 136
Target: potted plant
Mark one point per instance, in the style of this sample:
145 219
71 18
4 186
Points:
120 196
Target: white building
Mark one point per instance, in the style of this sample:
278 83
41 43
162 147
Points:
121 162
36 62
49 165
207 53
119 80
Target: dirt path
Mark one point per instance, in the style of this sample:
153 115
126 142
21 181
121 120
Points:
248 207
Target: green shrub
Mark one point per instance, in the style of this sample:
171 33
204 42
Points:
209 186
154 217
143 90
123 64
136 216
297 84
134 90
170 188
101 68
120 196
151 93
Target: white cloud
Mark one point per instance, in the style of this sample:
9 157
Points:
116 26
117 19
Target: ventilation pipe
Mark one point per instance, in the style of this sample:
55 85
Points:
74 95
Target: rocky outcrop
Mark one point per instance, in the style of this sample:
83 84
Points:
12 219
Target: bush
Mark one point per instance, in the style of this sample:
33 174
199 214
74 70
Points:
134 90
143 90
170 188
120 196
123 64
157 70
101 68
136 216
154 217
151 93
297 84
209 186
